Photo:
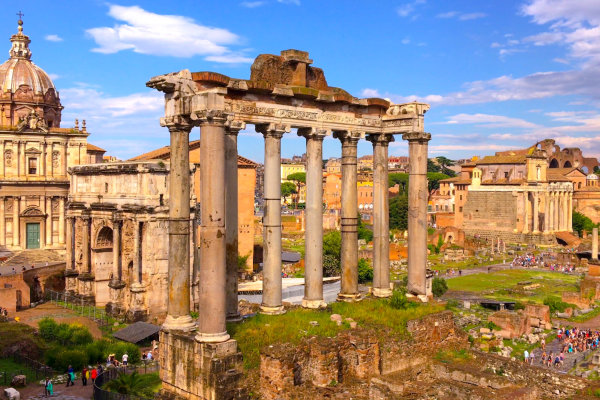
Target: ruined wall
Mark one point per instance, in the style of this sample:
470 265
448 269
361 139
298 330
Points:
495 211
14 292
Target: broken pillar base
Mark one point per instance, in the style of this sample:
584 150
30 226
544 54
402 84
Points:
184 323
267 310
199 371
382 292
237 317
136 315
313 304
349 298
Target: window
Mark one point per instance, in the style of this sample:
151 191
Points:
106 187
459 209
33 166
506 174
460 197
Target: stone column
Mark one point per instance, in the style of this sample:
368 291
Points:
271 297
213 267
570 211
65 160
231 218
43 159
70 243
417 211
349 261
61 220
49 221
137 278
551 211
116 268
526 212
313 245
561 213
381 228
536 216
2 159
178 305
22 166
595 244
2 223
546 212
86 245
16 223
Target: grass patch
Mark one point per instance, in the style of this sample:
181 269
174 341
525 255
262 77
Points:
23 336
452 356
586 317
260 331
504 285
11 368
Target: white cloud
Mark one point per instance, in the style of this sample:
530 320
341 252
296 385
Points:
405 40
408 9
53 38
163 35
461 16
295 2
54 76
370 93
252 4
491 121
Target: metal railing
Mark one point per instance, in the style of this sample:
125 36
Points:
113 373
79 305
32 368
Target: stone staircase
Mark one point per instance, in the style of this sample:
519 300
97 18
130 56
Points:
35 257
571 359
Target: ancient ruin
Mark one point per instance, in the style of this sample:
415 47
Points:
283 93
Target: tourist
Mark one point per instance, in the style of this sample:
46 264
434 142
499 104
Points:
526 356
543 343
531 357
544 355
46 384
144 356
84 376
94 375
149 356
557 362
70 376
124 359
549 360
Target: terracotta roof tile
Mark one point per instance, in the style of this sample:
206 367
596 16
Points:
503 159
91 147
165 152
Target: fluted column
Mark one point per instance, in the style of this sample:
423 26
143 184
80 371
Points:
49 221
570 211
526 212
271 297
536 216
43 159
417 211
313 244
349 256
551 211
546 213
22 167
116 268
231 221
178 305
86 245
2 223
555 210
381 228
70 243
137 278
561 213
61 220
16 235
213 269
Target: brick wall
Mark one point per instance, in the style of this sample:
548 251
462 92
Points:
495 211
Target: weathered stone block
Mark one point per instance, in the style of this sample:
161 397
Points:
515 323
359 355
539 311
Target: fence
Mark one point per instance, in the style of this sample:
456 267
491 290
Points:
79 305
33 369
113 373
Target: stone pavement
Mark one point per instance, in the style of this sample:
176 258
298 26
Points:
571 359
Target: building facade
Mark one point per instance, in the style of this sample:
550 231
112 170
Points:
117 237
35 154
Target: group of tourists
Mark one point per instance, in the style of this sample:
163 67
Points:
571 341
527 260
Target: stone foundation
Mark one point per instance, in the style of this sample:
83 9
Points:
199 371
512 237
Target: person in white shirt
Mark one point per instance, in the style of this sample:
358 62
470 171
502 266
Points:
125 358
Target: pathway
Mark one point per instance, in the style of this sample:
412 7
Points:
571 359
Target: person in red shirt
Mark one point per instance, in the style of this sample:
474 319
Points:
93 375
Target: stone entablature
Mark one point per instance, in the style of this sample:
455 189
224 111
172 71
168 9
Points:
118 243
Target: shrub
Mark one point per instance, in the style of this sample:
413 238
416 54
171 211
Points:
439 287
60 358
399 300
556 304
519 306
365 272
331 265
48 329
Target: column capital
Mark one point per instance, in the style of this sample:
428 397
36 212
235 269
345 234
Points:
210 117
273 129
233 127
349 137
177 123
383 139
313 133
417 136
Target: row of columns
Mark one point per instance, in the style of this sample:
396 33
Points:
217 273
558 206
19 205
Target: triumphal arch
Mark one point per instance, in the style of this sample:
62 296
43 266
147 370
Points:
284 93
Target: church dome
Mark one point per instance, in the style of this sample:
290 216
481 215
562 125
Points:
25 87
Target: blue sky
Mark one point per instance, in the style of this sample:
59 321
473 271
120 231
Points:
498 74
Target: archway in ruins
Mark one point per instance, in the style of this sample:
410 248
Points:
102 263
554 163
567 164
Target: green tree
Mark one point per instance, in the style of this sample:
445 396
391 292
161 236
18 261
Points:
581 223
332 244
134 384
299 179
439 287
444 163
365 272
399 212
364 233
399 178
287 189
432 166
